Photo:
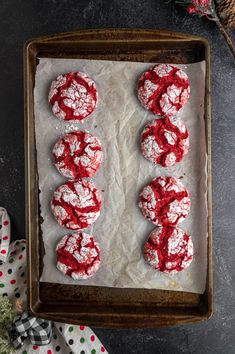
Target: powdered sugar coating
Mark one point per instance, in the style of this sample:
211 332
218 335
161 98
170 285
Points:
78 255
178 123
164 201
76 204
168 249
77 154
164 89
164 143
162 69
73 96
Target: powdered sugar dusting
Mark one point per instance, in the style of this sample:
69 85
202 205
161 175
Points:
178 210
174 93
163 89
167 105
73 96
170 137
59 212
151 148
185 96
56 84
153 259
162 181
177 186
168 249
82 202
177 122
182 74
162 69
78 255
163 142
72 128
170 159
58 149
62 267
78 154
175 241
77 98
145 92
58 112
164 201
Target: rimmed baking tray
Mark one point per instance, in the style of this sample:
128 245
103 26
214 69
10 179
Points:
102 306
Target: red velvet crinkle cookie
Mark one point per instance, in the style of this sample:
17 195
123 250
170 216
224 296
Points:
73 96
77 155
168 249
164 201
76 204
165 141
164 89
78 255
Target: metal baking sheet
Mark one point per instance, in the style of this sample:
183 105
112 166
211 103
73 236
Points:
102 306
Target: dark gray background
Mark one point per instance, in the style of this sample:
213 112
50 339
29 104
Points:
23 19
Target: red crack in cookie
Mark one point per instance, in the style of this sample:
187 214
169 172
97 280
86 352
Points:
76 204
78 255
164 89
165 141
168 249
73 96
164 201
77 155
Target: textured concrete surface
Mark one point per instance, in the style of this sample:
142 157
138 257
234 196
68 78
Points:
20 20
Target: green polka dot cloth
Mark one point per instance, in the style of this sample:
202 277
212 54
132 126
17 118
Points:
66 338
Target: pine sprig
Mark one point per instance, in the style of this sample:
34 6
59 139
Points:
207 8
7 312
7 315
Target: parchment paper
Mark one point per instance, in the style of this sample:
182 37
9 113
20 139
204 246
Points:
121 229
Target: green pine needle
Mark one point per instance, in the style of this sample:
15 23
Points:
7 314
5 345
